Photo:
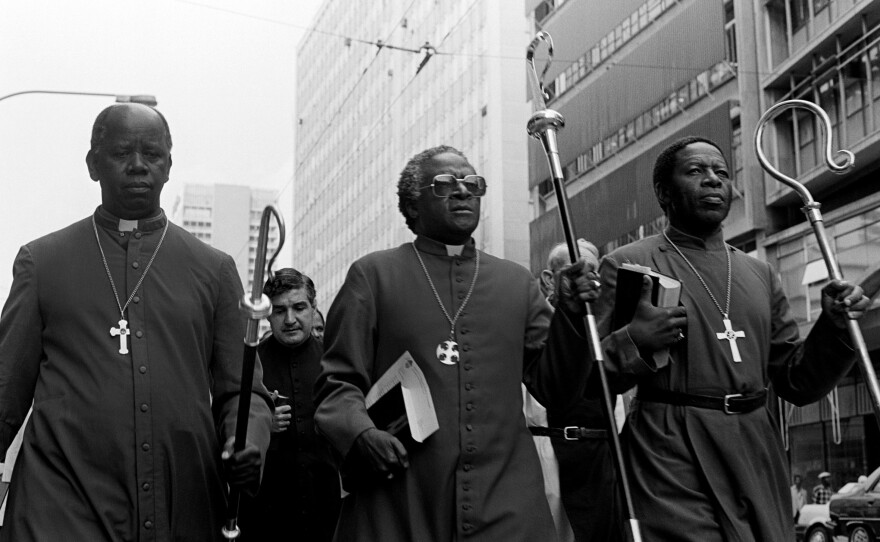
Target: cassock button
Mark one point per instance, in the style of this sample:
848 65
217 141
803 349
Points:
468 386
139 334
468 467
138 235
135 265
145 447
465 487
467 526
136 299
469 427
459 279
466 348
148 524
142 369
469 406
146 486
464 331
471 449
461 295
467 367
465 507
144 407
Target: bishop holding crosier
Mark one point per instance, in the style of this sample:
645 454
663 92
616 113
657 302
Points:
706 462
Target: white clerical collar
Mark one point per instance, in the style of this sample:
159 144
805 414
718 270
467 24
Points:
454 250
127 225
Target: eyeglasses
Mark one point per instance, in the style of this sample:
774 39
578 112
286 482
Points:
445 185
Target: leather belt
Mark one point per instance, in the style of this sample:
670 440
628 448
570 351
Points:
570 432
733 403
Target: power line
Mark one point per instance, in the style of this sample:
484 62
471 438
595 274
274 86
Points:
339 109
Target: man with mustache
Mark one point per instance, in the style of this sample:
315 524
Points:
476 326
705 459
124 331
299 496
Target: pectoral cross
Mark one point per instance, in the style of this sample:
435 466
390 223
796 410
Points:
730 335
123 333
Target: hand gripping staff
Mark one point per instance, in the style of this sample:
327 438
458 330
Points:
255 307
543 126
811 209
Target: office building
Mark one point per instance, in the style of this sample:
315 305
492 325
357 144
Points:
227 217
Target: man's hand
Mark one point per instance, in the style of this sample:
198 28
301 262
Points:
655 328
576 284
842 301
281 419
382 452
242 468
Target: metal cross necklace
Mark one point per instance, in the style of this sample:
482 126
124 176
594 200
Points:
728 334
447 351
122 331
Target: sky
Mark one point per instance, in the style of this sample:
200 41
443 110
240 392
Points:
223 72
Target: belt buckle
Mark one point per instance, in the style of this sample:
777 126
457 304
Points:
566 429
727 399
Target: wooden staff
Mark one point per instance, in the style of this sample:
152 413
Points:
543 126
255 307
811 209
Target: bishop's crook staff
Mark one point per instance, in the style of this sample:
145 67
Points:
256 307
543 126
811 209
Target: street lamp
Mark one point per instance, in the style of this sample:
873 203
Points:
145 99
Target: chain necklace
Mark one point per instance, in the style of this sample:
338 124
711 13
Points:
728 334
122 331
447 351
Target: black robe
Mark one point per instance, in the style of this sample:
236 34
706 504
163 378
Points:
700 474
121 446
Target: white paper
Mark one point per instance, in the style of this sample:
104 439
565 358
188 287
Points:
420 411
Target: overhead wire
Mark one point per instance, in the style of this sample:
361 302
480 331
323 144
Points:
380 44
429 50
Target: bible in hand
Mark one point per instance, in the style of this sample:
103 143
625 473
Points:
665 293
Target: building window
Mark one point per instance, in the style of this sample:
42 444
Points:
729 33
799 11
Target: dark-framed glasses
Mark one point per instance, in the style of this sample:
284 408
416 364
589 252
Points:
444 185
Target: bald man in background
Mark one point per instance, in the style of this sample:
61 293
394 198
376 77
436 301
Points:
579 437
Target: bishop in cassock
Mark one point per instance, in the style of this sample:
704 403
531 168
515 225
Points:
705 459
124 331
477 326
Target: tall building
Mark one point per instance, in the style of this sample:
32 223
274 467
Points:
227 217
638 74
379 82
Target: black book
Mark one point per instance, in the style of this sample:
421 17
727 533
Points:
666 291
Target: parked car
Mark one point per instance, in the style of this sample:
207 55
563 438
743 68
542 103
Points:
856 514
812 524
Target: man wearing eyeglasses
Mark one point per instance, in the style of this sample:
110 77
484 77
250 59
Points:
476 326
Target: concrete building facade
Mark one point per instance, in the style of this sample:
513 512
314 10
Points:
227 217
635 75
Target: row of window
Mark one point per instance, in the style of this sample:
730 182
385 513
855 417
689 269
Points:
629 133
799 11
611 42
848 89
